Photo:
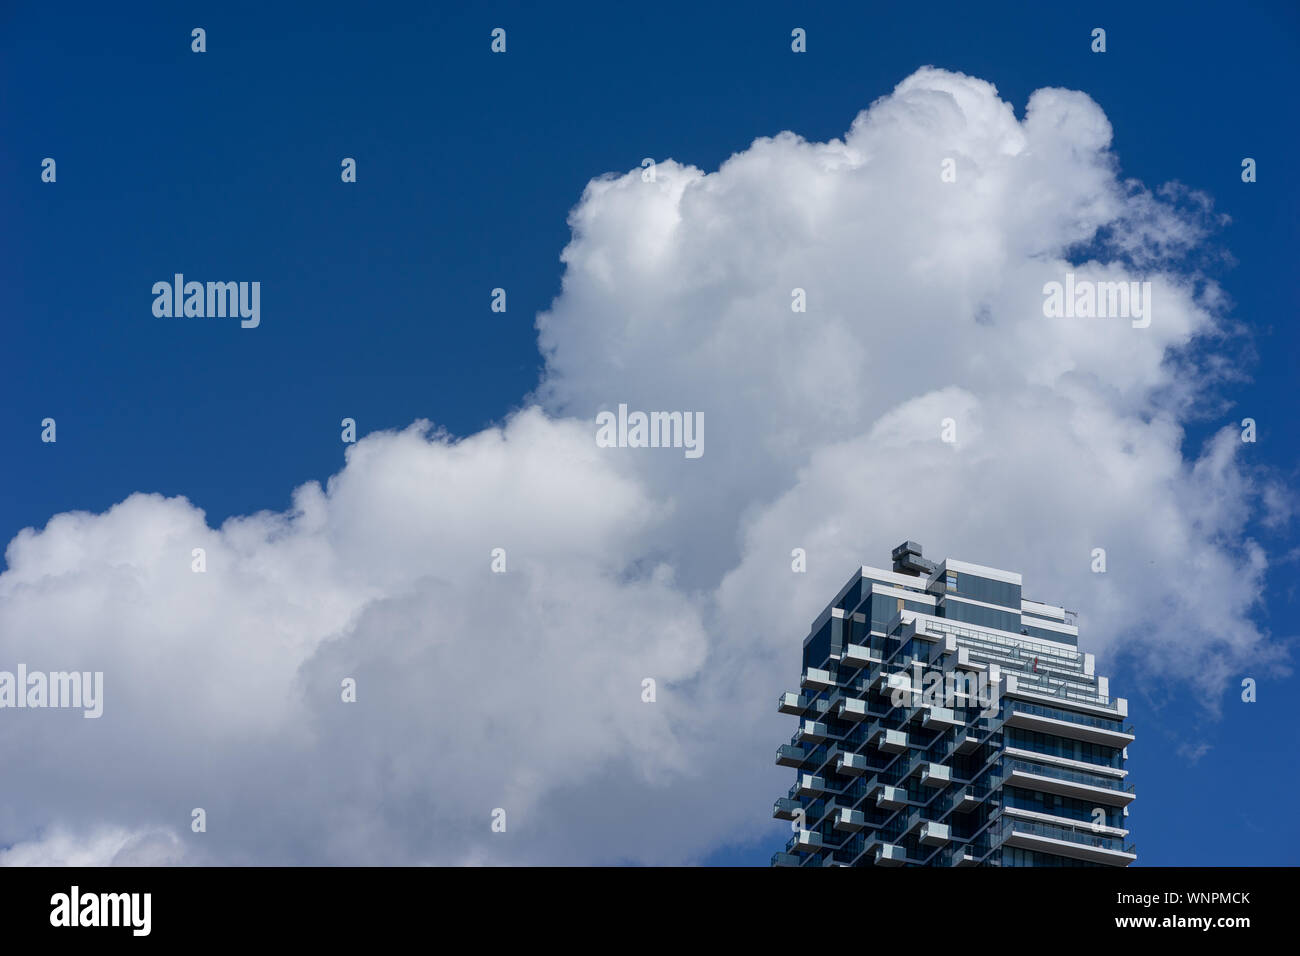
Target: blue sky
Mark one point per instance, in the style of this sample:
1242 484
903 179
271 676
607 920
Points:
376 295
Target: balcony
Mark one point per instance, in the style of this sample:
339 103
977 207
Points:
789 703
889 854
935 775
810 785
1065 723
1070 783
890 741
789 755
939 718
854 765
1067 841
891 798
812 730
967 741
856 655
851 820
785 859
784 808
817 679
934 834
808 840
886 682
965 858
850 708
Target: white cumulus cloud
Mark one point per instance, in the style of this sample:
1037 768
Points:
523 691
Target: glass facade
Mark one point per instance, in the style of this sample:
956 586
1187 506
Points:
944 736
983 589
983 616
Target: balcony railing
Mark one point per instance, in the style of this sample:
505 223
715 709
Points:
811 784
1075 776
1034 648
789 755
818 677
1081 837
1086 720
785 807
790 703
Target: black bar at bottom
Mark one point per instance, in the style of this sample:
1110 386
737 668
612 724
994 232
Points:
704 905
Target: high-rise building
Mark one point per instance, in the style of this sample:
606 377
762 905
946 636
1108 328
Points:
945 720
